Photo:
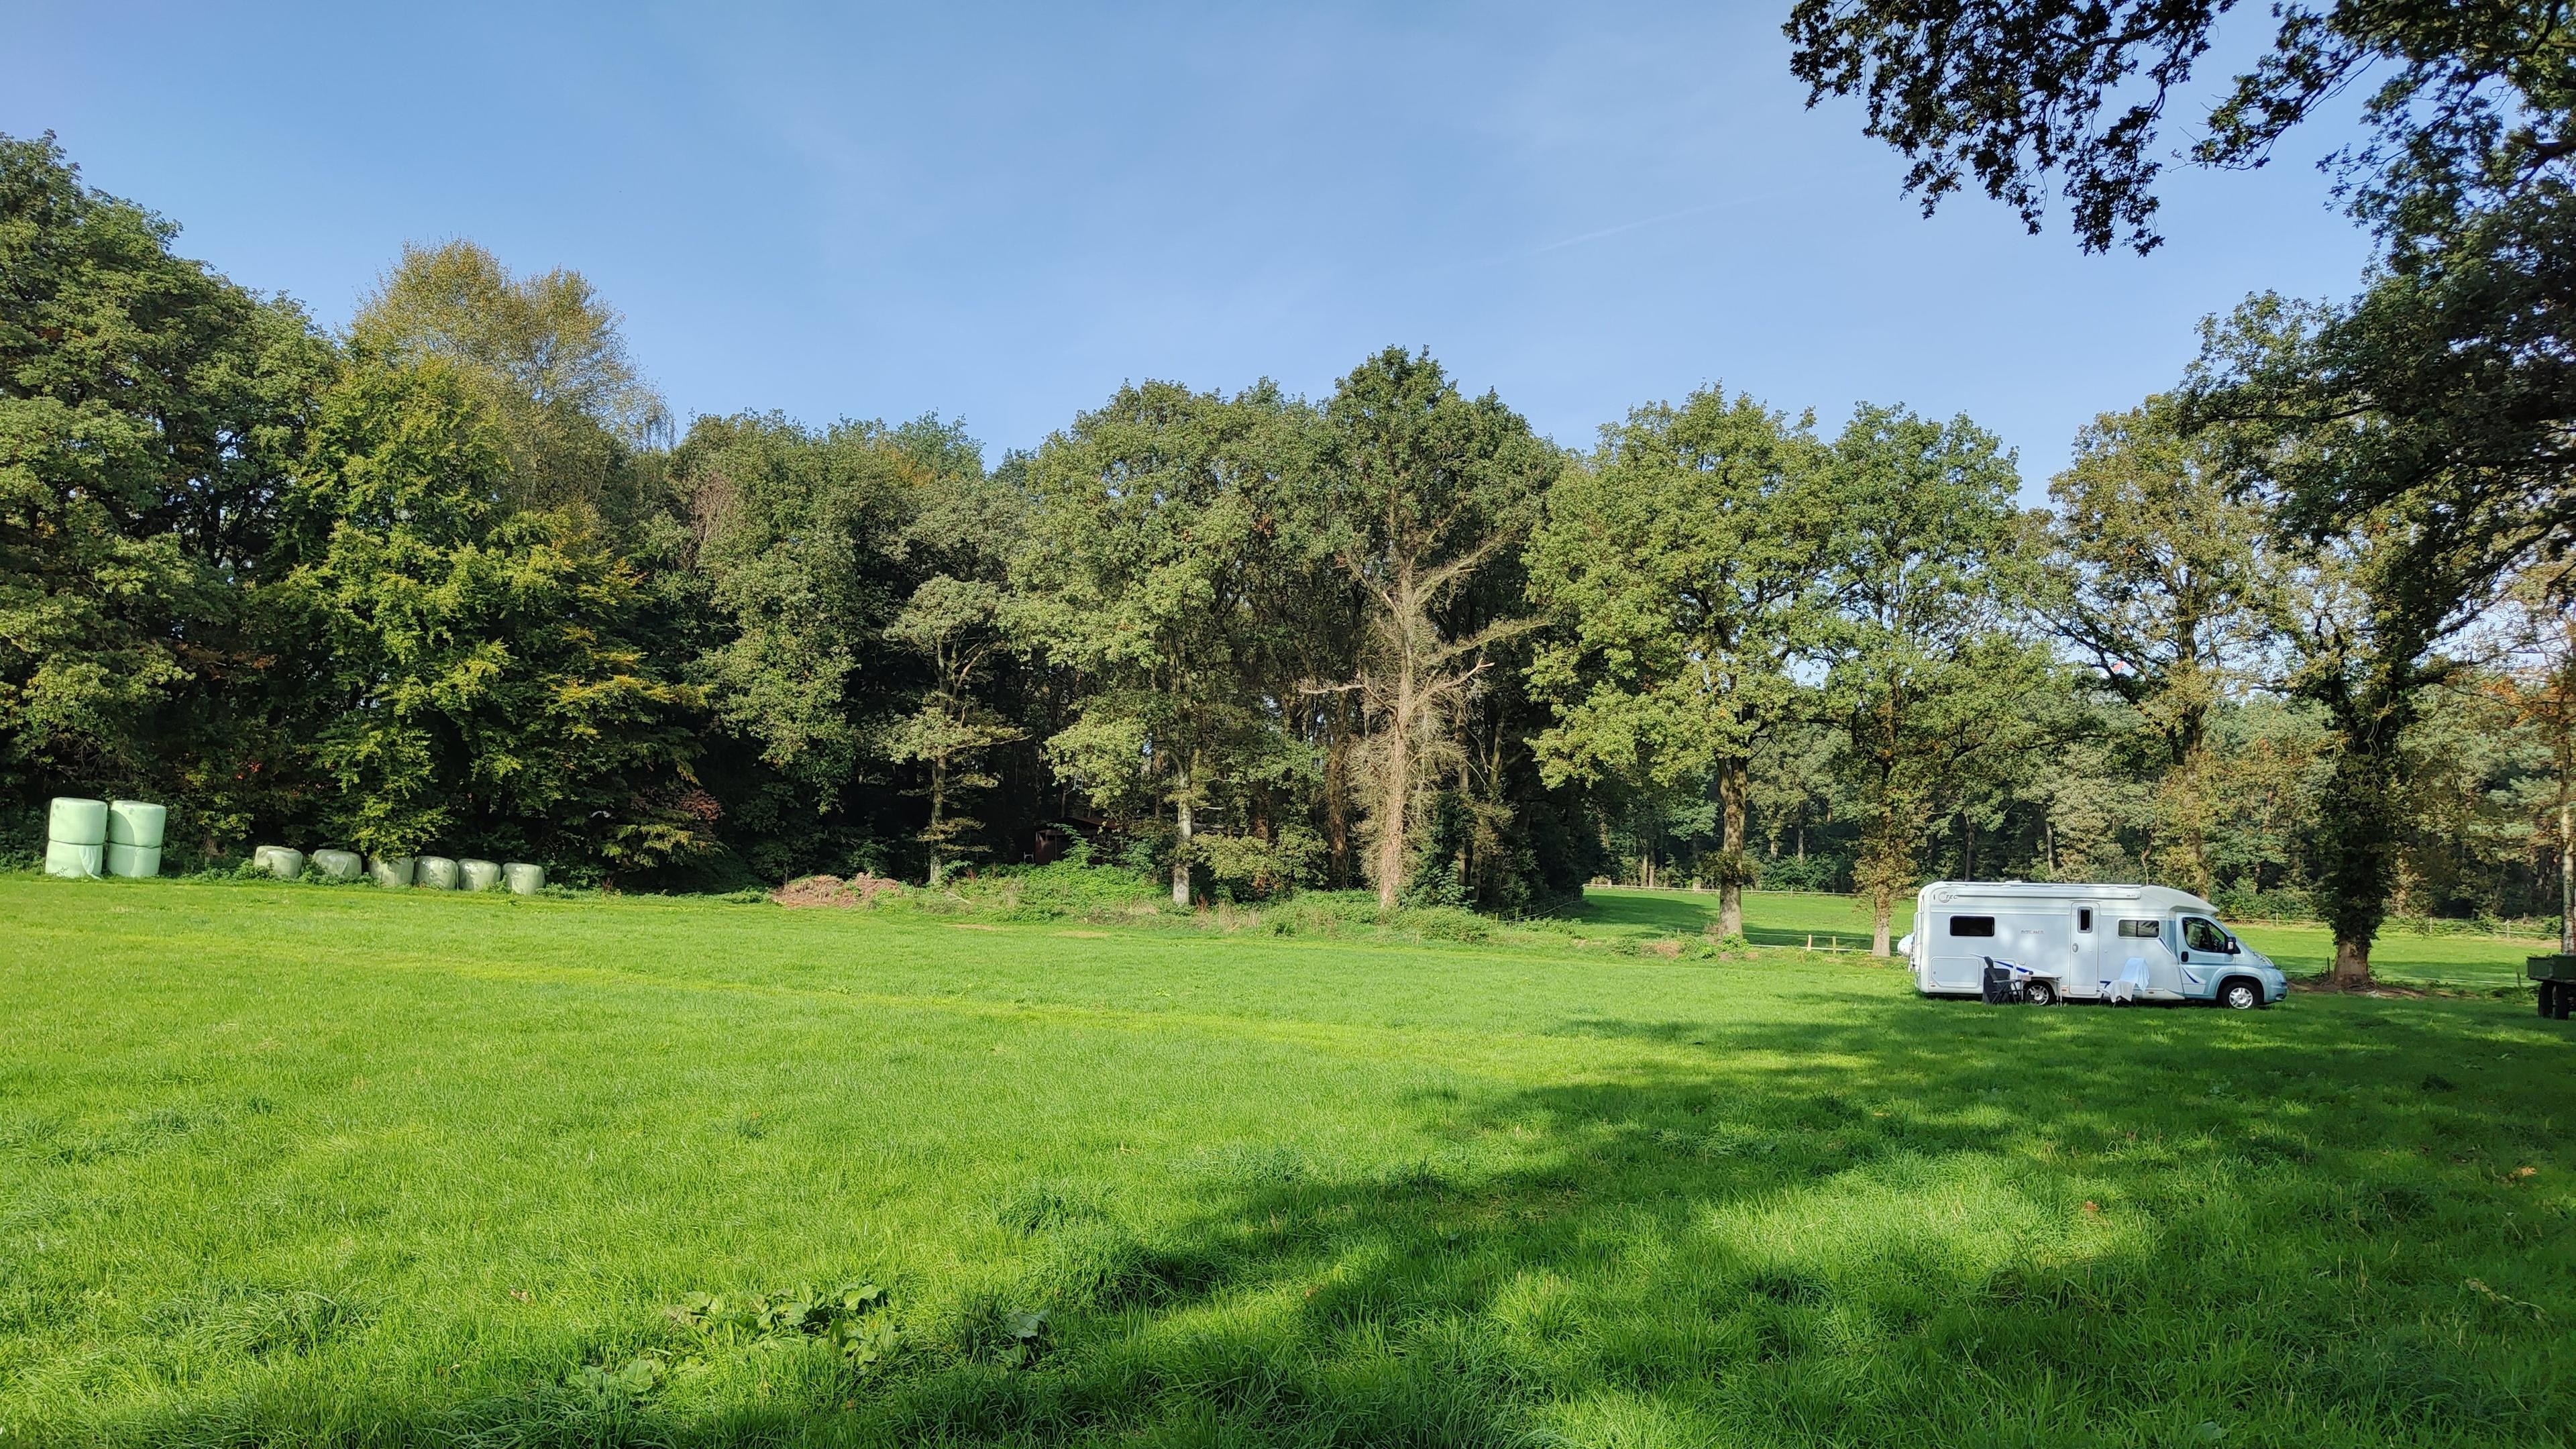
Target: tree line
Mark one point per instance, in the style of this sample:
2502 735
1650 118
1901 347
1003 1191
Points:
451 578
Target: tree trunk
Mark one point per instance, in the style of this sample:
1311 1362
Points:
2356 851
1181 852
1882 909
1731 783
938 805
2566 886
1395 796
1337 799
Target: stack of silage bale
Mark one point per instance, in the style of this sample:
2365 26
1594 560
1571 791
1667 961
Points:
75 838
134 830
85 839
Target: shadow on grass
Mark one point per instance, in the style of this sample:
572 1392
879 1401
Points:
1954 1225
1680 914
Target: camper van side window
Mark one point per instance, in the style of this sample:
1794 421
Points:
2084 918
2202 935
2142 930
1972 925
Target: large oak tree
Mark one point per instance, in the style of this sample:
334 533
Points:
1676 563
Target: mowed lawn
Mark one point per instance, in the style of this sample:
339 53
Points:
305 1165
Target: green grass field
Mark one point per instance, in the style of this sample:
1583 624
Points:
302 1165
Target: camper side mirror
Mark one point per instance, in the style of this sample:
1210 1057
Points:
2233 948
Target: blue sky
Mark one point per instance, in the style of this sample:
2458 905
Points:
1000 212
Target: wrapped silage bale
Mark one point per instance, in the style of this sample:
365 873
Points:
137 823
477 875
283 863
393 872
434 873
523 879
74 821
339 864
132 862
72 862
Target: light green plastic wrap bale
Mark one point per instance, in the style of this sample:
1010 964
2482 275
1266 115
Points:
283 863
524 880
72 862
339 864
73 821
136 822
434 873
392 872
132 862
477 875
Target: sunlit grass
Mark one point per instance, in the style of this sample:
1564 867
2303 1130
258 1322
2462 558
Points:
311 1165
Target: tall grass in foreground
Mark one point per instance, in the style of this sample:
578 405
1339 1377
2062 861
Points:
291 1166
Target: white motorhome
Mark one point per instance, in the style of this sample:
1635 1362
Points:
2081 942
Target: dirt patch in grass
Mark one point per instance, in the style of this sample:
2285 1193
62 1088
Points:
2385 991
831 890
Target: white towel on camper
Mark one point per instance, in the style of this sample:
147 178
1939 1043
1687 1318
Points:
2132 980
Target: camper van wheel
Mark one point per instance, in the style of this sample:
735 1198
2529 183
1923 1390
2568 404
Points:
2040 993
2240 994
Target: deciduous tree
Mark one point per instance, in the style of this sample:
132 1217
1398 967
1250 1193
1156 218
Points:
957 626
150 412
2471 108
550 355
793 573
1154 569
1421 490
489 695
1676 563
1922 675
2157 576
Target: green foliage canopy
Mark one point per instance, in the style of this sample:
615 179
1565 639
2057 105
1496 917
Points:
483 670
1679 566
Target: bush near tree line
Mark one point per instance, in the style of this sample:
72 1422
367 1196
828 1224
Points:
448 580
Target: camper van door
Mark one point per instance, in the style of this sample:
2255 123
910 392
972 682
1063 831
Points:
2147 939
1957 941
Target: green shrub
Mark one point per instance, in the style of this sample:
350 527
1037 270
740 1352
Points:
1357 913
1055 891
2245 903
1813 873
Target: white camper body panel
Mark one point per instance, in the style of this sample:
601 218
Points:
2094 941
